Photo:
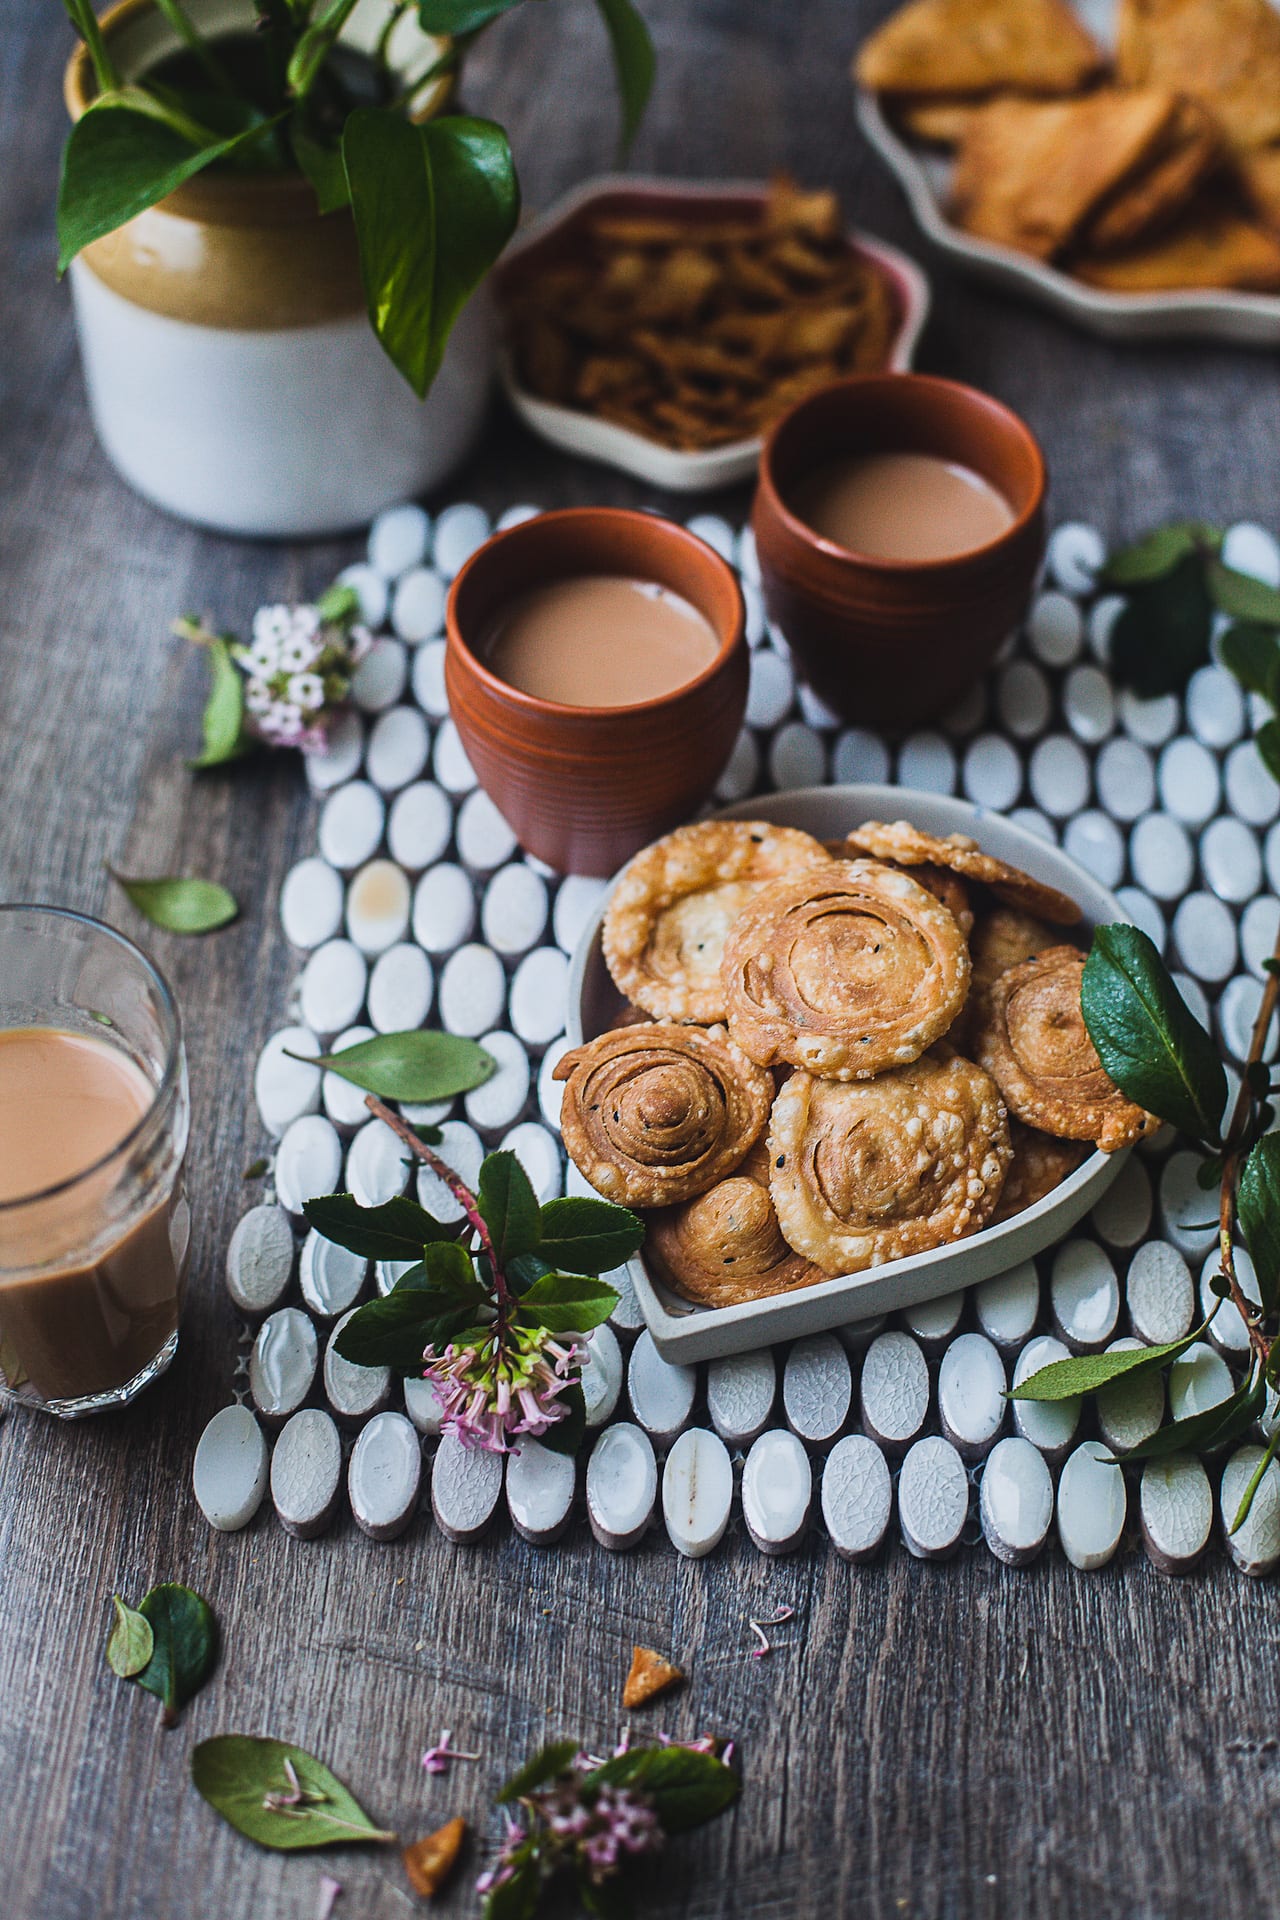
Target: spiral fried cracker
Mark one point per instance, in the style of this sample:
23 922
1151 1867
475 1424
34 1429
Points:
845 971
1040 1163
872 1171
1032 1040
726 1246
665 927
904 844
655 1114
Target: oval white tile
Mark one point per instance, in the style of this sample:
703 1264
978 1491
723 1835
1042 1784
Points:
485 841
1007 1306
1049 1425
311 903
353 1392
740 1395
539 996
1175 1506
894 1389
1162 856
379 901
398 540
473 988
370 590
344 750
343 1100
1188 1212
933 1498
460 529
308 1162
466 1486
777 1490
1055 629
417 606
1144 913
741 770
971 1386
1228 1332
1022 695
260 1259
332 987
1098 844
400 989
1092 1505
697 1492
351 824
1252 549
1015 1502
422 1404
603 1372
539 1155
661 1393
282 1364
1204 935
306 1473
622 1485
1231 860
797 757
419 825
771 688
384 1475
1198 1380
1130 1410
330 1277
398 748
1251 791
540 1488
857 1497
229 1472
1088 704
817 1387
1159 1293
514 913
460 1148
1255 1546
498 1101
927 762
1258 927
381 677
376 1170
859 756
992 775
1215 706
1058 774
1125 777
1123 1214
1084 1295
1075 553
444 909
1151 722
934 1321
576 903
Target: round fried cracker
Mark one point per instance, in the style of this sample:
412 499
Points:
667 919
904 844
1031 1038
1040 1163
655 1114
999 938
726 1246
868 1171
941 882
845 971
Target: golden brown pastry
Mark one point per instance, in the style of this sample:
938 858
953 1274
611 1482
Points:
1142 205
1032 1040
1040 1163
845 971
941 882
665 927
726 1246
655 1114
953 47
999 938
1213 244
1226 52
869 1171
906 846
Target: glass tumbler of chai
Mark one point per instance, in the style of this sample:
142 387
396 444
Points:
94 1113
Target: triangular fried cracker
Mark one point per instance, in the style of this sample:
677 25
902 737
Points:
1157 193
1030 173
979 46
1212 245
1225 52
1260 177
650 1675
940 122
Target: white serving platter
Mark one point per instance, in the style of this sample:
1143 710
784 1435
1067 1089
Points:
924 173
685 1333
615 446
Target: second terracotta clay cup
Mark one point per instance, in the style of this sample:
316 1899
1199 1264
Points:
889 643
583 788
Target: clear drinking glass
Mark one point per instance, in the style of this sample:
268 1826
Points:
92 1267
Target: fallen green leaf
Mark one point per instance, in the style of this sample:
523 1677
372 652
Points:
132 1642
415 1066
279 1795
185 1645
180 905
1086 1372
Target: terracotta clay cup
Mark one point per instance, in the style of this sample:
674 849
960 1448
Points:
584 788
889 643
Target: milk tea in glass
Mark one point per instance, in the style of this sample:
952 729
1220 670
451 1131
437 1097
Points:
94 1223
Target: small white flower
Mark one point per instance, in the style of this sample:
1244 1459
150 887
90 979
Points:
306 690
264 658
258 696
283 717
304 624
272 624
298 654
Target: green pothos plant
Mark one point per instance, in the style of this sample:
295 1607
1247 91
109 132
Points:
1174 582
434 201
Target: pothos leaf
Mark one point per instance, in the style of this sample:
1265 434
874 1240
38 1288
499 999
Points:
454 17
1162 635
223 722
1146 1037
633 62
132 1642
1243 597
278 1795
544 1766
1252 654
180 905
1157 553
1087 1372
1258 1201
415 1065
184 1645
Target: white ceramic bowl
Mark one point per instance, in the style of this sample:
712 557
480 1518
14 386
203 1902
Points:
593 439
683 1332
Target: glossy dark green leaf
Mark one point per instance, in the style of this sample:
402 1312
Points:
416 1065
567 1303
395 1331
588 1236
524 1270
131 1644
455 17
1147 1039
1243 597
223 723
633 62
685 1789
397 1230
322 165
449 1269
434 206
567 1434
509 1207
1209 1174
1216 1427
1086 1372
117 162
1253 655
1157 553
316 42
544 1766
184 1645
180 905
1267 741
1161 635
1258 1203
278 1795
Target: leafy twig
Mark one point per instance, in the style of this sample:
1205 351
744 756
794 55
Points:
1237 1132
454 1181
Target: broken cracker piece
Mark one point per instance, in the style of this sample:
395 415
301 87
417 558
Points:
979 46
650 1675
430 1861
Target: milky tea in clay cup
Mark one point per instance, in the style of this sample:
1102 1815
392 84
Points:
94 1225
597 675
899 522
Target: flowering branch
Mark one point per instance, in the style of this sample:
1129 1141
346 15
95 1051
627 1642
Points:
455 1183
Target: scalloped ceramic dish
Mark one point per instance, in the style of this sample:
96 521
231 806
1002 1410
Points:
593 439
683 1332
924 174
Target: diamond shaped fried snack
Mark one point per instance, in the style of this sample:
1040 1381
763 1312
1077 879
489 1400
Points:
1191 148
979 46
1212 245
1260 177
1030 173
1225 52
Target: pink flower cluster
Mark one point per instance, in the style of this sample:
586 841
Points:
503 1386
299 666
596 1833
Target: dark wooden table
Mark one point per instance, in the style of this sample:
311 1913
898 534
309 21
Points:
957 1740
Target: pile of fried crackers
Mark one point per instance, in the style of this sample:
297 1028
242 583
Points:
698 331
1155 170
